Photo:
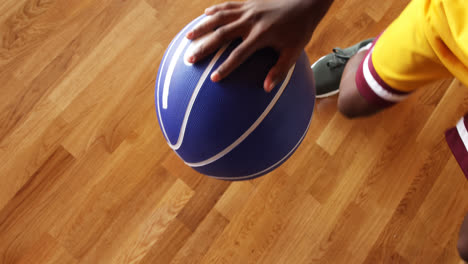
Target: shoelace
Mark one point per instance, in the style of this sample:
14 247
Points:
340 59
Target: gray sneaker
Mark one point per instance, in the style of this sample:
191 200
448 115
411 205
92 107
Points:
328 69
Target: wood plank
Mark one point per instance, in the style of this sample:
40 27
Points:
86 175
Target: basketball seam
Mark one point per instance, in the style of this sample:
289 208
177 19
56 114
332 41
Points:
162 69
271 167
170 71
251 129
195 93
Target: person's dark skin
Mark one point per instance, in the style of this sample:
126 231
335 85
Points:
286 26
462 244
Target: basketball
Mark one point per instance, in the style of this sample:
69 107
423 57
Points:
232 129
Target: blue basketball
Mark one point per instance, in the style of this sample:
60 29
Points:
233 129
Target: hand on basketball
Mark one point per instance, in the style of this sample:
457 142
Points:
285 26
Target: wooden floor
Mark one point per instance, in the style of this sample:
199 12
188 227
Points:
87 177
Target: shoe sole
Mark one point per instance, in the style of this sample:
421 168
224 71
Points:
318 61
326 94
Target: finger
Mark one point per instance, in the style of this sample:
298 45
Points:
211 23
214 40
224 6
236 58
279 72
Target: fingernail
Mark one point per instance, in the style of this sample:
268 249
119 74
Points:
191 59
272 86
190 35
215 76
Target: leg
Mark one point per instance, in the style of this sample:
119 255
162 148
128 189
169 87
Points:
463 240
456 137
350 102
390 69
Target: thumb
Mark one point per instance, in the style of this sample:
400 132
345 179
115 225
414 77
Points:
279 71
